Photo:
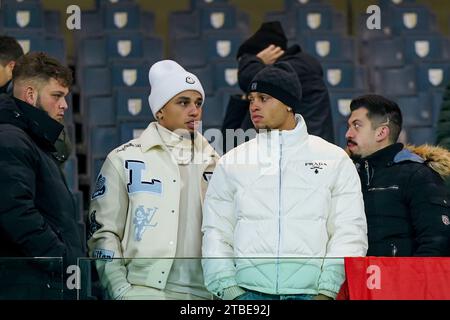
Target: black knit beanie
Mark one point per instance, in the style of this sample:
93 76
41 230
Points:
279 81
269 33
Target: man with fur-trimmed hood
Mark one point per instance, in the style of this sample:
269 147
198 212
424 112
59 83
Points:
405 197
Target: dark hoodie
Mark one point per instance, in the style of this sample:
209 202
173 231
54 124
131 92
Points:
406 201
315 105
38 216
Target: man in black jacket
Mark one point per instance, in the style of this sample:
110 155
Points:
405 197
267 46
37 211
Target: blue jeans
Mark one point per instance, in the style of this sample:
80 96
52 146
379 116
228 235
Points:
253 295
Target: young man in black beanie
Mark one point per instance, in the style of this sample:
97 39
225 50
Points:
265 47
290 197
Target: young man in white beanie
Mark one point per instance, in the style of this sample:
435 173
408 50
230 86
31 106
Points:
283 209
146 208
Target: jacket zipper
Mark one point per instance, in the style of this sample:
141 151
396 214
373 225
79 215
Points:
381 189
366 166
279 213
394 249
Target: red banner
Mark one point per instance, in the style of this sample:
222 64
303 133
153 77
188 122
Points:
406 278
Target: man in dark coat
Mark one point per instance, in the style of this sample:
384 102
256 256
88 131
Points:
37 211
405 198
267 46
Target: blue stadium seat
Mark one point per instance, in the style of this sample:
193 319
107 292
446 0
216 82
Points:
132 105
100 111
288 21
416 110
52 22
412 18
340 107
124 45
226 74
436 100
31 40
130 73
71 173
314 17
95 81
23 15
121 16
420 135
213 112
131 130
92 52
385 53
205 74
184 25
223 45
396 82
102 140
345 75
424 47
432 75
219 17
329 46
195 56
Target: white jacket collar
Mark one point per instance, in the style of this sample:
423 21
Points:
287 138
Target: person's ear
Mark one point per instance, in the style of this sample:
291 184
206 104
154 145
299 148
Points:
159 115
30 95
382 133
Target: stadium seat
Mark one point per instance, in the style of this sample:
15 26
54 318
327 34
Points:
345 75
432 75
213 112
385 53
102 140
226 74
396 82
314 17
340 107
288 21
416 110
23 15
219 17
71 173
95 81
222 45
424 47
92 52
100 111
205 75
121 16
420 135
130 73
412 18
132 105
329 46
131 130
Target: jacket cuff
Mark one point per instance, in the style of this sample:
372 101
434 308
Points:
232 293
328 294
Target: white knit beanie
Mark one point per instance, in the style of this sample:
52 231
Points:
167 79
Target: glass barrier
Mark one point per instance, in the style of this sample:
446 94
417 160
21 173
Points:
184 278
31 279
